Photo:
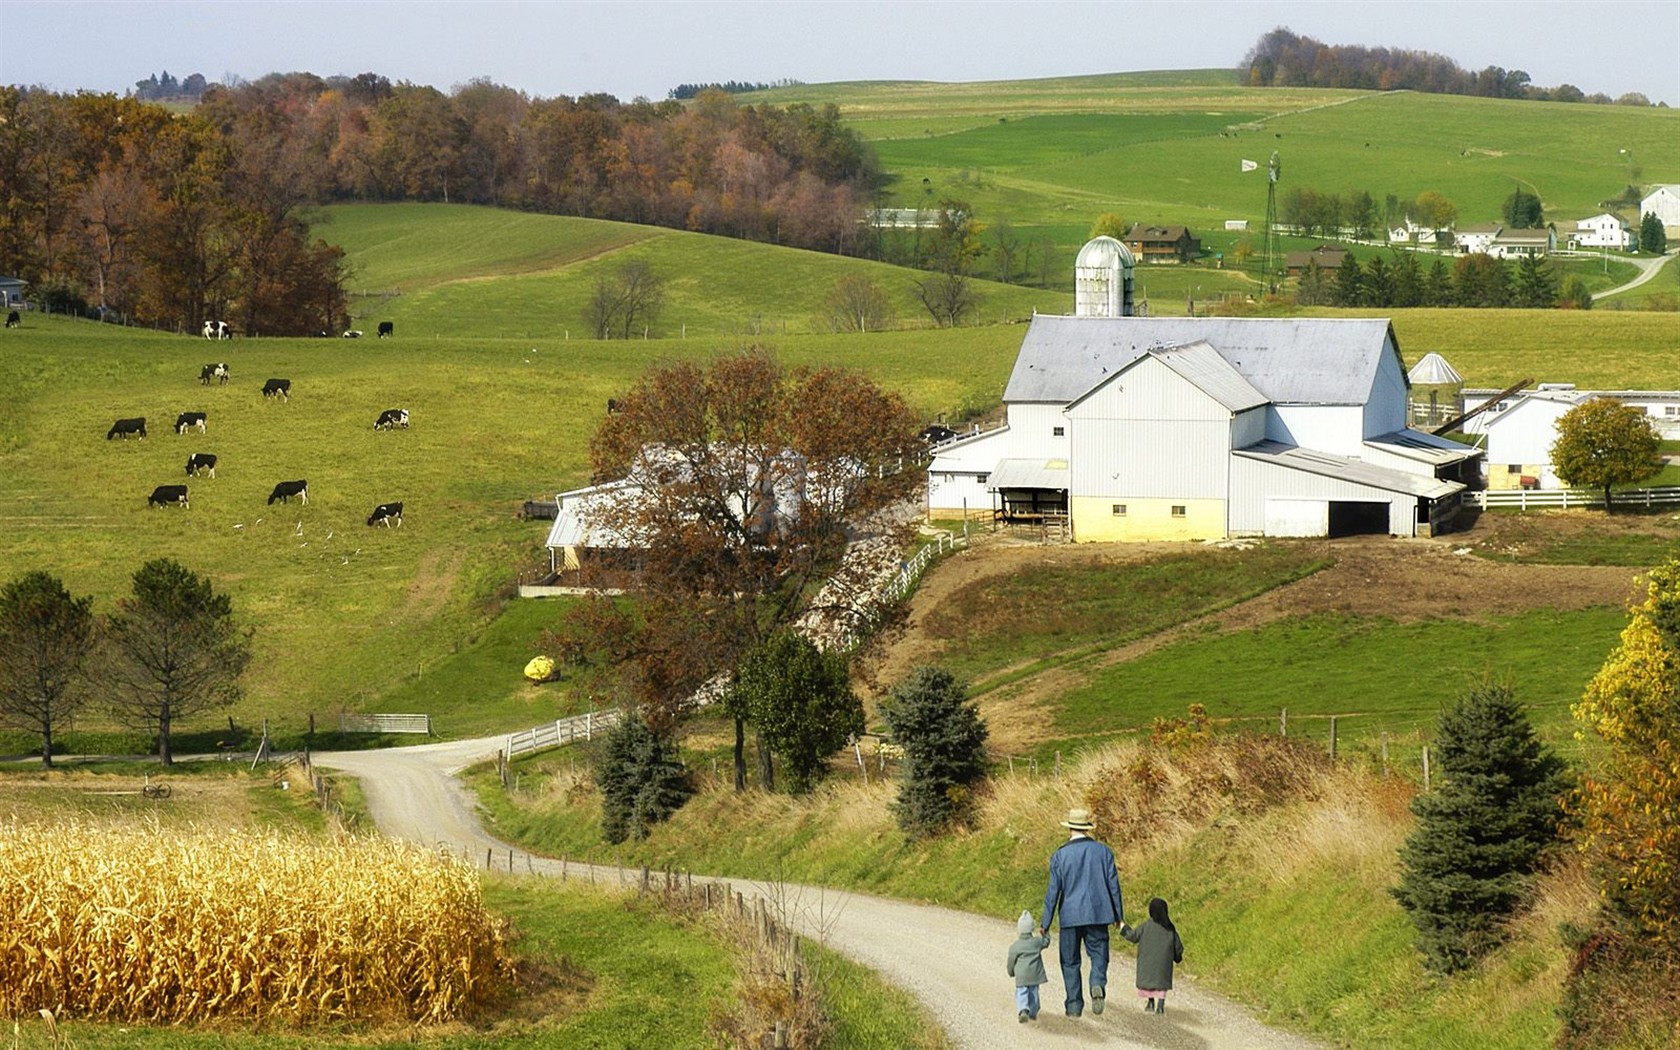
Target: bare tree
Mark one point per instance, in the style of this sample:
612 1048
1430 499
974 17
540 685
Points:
626 300
857 304
949 298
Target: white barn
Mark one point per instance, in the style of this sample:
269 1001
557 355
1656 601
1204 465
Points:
1664 202
1520 438
1135 428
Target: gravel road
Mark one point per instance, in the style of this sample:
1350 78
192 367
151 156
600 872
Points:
951 961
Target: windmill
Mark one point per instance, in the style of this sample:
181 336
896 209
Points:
1273 169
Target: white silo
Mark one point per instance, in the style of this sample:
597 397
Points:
1102 279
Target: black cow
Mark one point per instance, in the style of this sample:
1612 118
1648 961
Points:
124 427
218 372
280 388
188 420
391 419
353 333
164 495
385 513
387 328
612 405
13 320
204 461
287 489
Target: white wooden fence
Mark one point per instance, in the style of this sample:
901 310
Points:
905 581
1523 499
560 732
360 723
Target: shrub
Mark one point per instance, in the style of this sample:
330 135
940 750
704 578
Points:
944 742
1482 832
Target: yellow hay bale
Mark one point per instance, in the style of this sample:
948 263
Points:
170 925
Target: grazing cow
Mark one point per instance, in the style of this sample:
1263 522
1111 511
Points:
124 427
391 419
353 333
188 420
612 405
287 489
218 372
280 388
937 434
386 513
387 328
217 330
13 320
164 495
201 461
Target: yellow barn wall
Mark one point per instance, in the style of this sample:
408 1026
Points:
1094 520
1499 476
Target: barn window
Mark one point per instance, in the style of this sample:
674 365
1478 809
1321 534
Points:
1119 510
1058 431
982 478
949 478
1178 510
1671 410
1513 468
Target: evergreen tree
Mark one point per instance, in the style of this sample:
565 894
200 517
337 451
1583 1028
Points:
944 741
1522 211
1377 289
1408 280
1350 280
1315 288
1480 280
802 704
46 636
642 780
1482 832
1652 237
1437 287
1575 295
1537 284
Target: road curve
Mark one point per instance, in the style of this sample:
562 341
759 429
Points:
951 961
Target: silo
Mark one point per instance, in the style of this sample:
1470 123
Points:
1102 279
1437 391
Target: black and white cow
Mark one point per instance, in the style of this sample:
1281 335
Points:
189 420
387 328
391 419
937 434
164 495
217 330
353 333
280 388
201 461
612 405
386 513
124 427
287 489
13 320
218 372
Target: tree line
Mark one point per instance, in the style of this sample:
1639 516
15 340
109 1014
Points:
1474 280
120 208
683 92
1282 58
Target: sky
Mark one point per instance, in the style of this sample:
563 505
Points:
635 48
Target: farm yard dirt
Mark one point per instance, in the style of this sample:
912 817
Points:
1402 580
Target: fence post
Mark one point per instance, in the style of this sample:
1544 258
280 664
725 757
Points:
1283 722
1385 752
1332 738
1426 767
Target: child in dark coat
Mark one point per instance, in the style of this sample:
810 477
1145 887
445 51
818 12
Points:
1159 947
1027 966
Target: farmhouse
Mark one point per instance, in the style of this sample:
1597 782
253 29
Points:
1163 244
1137 428
1477 239
1602 231
1328 256
1514 244
1410 232
1664 202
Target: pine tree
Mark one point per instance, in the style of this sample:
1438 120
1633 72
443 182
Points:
1652 237
944 741
1350 282
1537 284
1482 832
642 780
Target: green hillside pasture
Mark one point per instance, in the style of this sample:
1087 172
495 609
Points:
1033 141
350 617
1323 665
404 247
1595 349
716 287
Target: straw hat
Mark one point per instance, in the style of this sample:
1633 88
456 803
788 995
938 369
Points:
1078 820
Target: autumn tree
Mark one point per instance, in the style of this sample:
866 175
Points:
1480 834
1630 801
800 700
1603 443
175 650
1108 224
1433 211
857 304
742 484
46 637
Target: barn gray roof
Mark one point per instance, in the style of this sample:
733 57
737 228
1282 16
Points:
1329 465
1289 360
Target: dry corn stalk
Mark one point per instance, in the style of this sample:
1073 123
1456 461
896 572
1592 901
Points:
188 925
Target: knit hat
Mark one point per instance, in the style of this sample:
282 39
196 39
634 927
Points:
1024 925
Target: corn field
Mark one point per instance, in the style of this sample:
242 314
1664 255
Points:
169 926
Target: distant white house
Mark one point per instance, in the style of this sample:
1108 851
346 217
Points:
1664 202
1477 239
1410 232
1522 428
1602 231
1514 244
11 292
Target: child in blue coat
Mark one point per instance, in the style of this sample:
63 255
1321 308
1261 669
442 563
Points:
1027 966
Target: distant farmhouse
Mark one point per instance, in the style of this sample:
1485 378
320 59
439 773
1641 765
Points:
1163 244
1329 258
1138 428
1521 429
1602 231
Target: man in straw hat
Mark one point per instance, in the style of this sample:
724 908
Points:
1085 887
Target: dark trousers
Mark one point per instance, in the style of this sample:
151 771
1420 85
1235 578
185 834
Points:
1095 939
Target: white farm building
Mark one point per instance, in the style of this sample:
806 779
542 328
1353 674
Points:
1664 202
1151 428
